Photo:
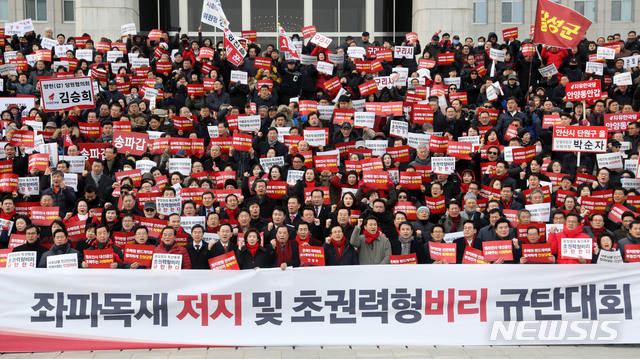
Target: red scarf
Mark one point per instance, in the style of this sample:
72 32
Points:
597 232
492 143
283 254
339 246
253 248
371 237
456 223
300 241
311 184
232 214
6 216
502 177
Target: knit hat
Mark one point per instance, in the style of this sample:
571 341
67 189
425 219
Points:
470 195
423 208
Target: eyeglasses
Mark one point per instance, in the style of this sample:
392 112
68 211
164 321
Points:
149 209
492 153
402 196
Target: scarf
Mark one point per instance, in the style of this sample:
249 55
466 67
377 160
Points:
166 247
371 237
272 143
456 223
597 232
61 249
502 177
96 178
253 248
406 245
283 253
339 246
311 184
232 214
6 216
492 143
300 241
469 213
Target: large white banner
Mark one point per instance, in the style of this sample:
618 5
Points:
67 93
91 309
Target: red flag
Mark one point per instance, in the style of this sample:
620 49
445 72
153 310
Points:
559 26
67 139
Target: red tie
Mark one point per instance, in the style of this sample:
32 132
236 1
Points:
292 217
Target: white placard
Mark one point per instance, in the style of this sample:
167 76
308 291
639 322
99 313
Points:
325 111
61 50
443 165
154 134
575 247
612 161
293 176
596 68
128 29
71 181
414 140
356 52
358 105
325 67
548 71
213 131
22 260
384 82
378 147
404 75
76 163
139 62
498 55
165 261
539 212
630 61
187 223
10 55
113 55
315 138
450 237
249 123
321 40
145 166
399 129
116 66
400 52
182 165
268 162
29 186
631 165
48 43
609 257
150 93
8 69
336 58
308 60
605 53
238 76
83 54
364 119
630 183
31 59
63 261
623 79
169 205
453 81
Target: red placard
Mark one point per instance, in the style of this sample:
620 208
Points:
551 120
461 150
332 84
620 121
138 253
584 178
400 154
522 231
593 204
523 155
251 35
135 143
340 116
196 90
154 225
23 137
307 106
561 195
164 67
8 182
426 64
226 261
410 180
122 238
438 144
528 50
446 59
510 34
368 88
17 240
275 189
44 216
421 114
583 90
311 256
473 256
39 161
135 175
184 124
537 253
242 141
494 250
408 208
632 253
376 179
436 205
98 258
308 31
6 166
262 63
326 163
461 96
404 259
443 251
91 130
615 215
512 132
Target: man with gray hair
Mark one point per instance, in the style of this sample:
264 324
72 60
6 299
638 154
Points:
470 211
422 156
63 197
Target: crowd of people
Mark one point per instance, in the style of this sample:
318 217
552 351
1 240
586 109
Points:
354 222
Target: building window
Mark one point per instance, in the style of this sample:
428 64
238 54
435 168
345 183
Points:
68 11
35 10
325 15
232 10
290 14
512 11
622 10
479 11
4 10
587 9
352 16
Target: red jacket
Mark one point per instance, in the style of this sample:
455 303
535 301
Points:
554 241
555 58
176 249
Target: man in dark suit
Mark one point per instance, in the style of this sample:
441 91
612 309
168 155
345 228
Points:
226 243
208 204
320 209
294 216
99 180
197 249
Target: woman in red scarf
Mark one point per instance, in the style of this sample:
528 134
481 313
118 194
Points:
337 250
287 254
254 256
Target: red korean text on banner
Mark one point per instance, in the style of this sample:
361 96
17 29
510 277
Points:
346 115
22 137
39 161
262 63
326 163
460 150
426 64
242 141
537 253
307 106
44 216
632 253
443 251
446 59
583 90
512 132
98 258
438 144
494 250
561 195
510 34
400 154
376 179
332 84
620 121
523 155
137 253
410 180
311 256
403 259
275 189
473 256
421 114
368 88
559 26
135 143
308 31
251 35
408 208
226 261
435 205
184 124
